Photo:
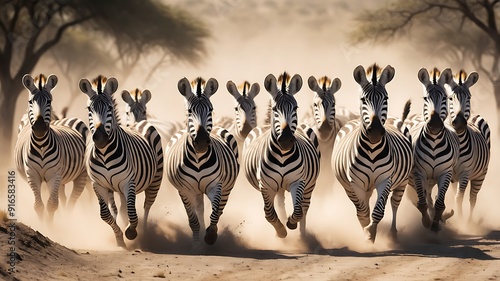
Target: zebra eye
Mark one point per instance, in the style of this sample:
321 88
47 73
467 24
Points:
295 108
30 101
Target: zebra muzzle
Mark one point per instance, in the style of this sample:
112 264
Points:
459 123
435 124
40 128
201 142
100 137
375 130
286 139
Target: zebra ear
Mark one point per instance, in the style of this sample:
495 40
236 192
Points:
111 86
254 90
184 88
313 84
270 85
445 77
471 79
387 75
233 90
51 82
29 83
145 97
127 98
295 85
211 87
86 87
336 84
423 76
359 74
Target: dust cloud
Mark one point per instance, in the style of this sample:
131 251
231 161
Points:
251 40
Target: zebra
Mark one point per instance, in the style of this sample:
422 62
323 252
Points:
202 159
283 156
325 120
474 136
246 115
136 111
372 153
47 150
120 159
435 149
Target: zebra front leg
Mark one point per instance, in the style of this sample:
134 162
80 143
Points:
35 182
420 186
397 195
378 212
78 187
112 203
297 192
475 186
131 231
150 196
192 217
53 203
280 202
103 197
439 206
459 197
215 196
62 196
306 202
271 216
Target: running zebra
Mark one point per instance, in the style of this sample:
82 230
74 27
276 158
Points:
283 157
136 111
372 153
325 119
435 148
120 159
246 116
474 136
50 151
201 159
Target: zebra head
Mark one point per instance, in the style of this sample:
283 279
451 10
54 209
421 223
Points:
374 98
460 99
136 109
40 102
199 110
101 106
246 117
324 102
435 98
284 108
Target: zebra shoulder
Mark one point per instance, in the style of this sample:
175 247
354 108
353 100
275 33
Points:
309 133
227 137
149 132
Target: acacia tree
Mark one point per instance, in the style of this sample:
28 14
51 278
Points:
462 30
29 29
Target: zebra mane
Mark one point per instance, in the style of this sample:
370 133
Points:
198 84
98 83
325 82
137 94
374 70
435 73
40 80
245 87
461 76
284 79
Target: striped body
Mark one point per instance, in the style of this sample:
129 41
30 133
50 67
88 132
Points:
474 137
202 160
373 154
50 151
283 157
120 159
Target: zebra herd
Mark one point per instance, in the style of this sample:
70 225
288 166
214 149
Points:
366 151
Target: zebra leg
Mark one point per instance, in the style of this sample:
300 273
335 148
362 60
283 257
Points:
271 216
192 217
297 192
396 196
78 186
280 202
215 196
131 232
54 185
420 186
378 212
36 183
62 196
439 206
150 196
360 200
459 197
200 209
111 201
103 197
306 202
475 186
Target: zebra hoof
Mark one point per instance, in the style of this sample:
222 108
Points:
435 227
211 235
130 233
281 231
426 221
291 225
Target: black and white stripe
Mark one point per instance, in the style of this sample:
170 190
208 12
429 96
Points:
435 148
283 157
119 159
201 159
372 153
50 151
473 133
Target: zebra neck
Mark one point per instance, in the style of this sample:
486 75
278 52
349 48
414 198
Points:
428 135
115 144
323 134
365 143
194 155
276 148
42 142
